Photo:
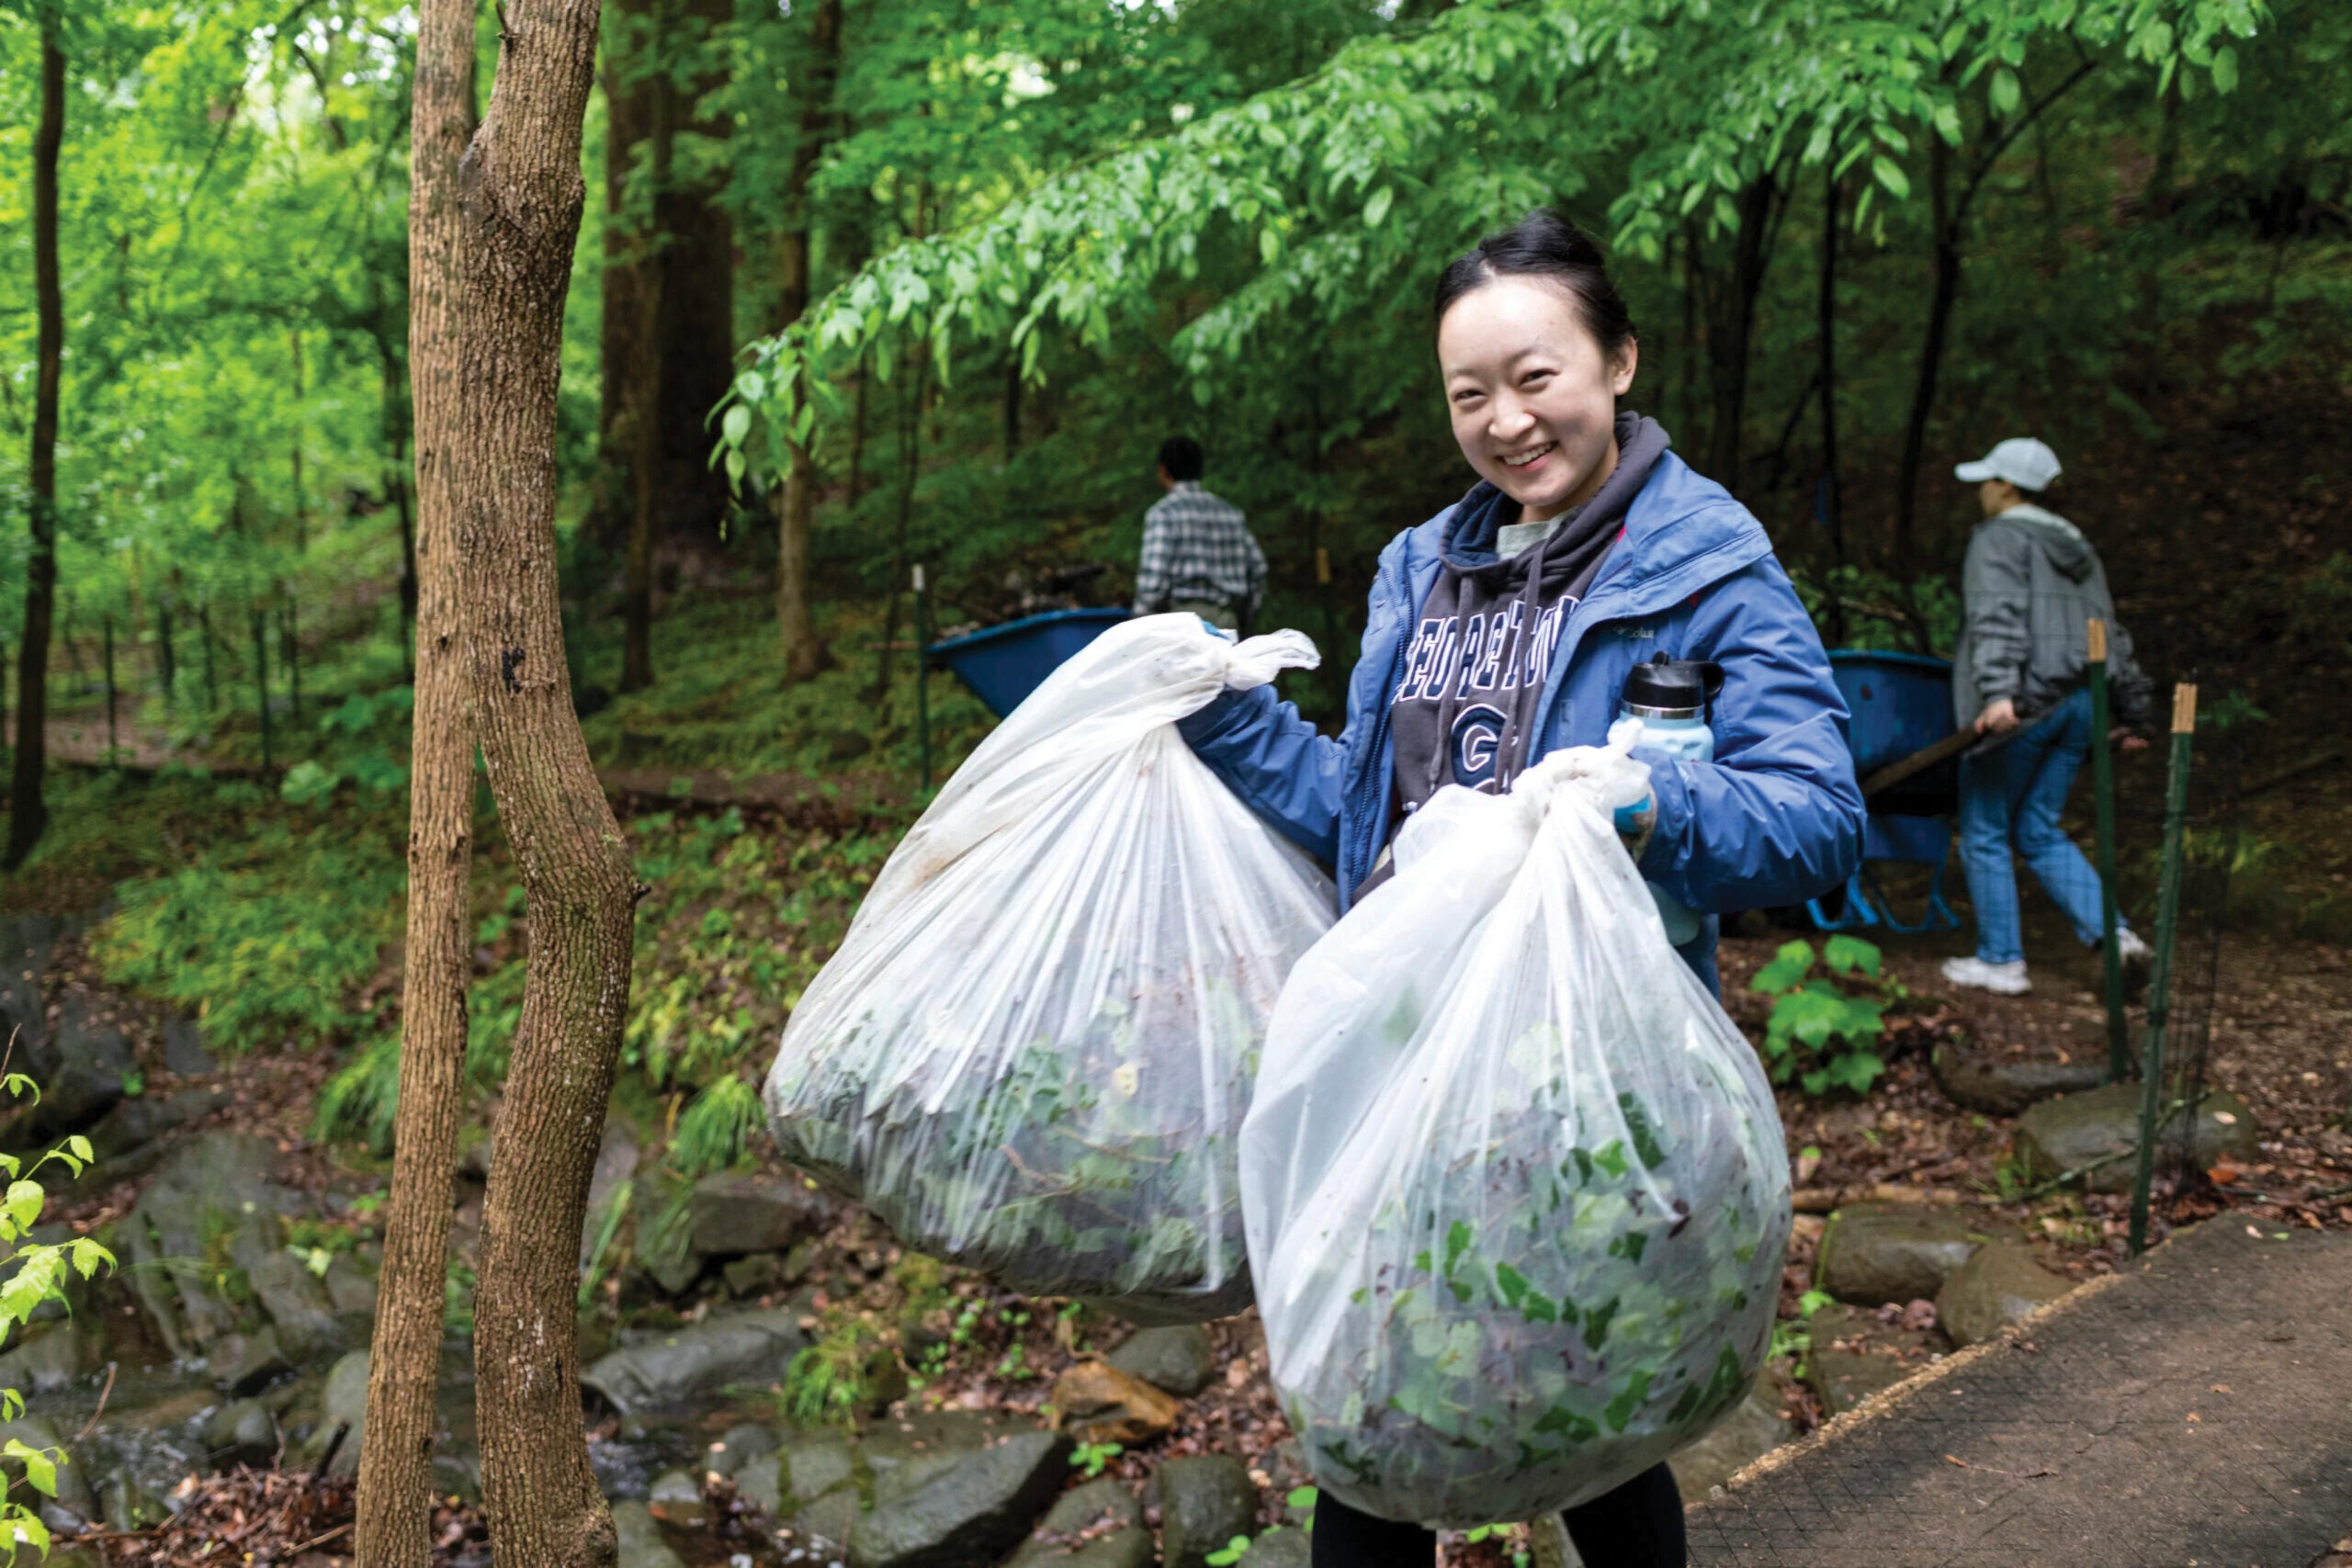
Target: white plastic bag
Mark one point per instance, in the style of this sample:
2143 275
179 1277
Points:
1034 1049
1516 1190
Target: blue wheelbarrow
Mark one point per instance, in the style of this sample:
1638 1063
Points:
1907 754
1003 664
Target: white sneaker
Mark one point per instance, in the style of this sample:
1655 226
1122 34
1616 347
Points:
2007 979
2137 962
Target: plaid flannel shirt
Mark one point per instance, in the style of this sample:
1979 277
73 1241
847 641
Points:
1197 547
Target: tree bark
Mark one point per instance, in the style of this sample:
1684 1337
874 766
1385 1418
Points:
522 197
294 454
1942 291
914 377
645 420
1833 498
1727 342
1949 198
689 236
397 489
395 1462
28 813
167 665
629 106
796 500
204 641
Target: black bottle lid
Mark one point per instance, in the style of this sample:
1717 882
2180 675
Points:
1687 684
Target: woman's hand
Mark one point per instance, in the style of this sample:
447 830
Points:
2127 738
1999 717
1634 824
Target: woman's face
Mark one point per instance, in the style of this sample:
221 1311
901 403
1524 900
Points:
1533 395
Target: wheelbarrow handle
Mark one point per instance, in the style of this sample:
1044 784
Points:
1927 757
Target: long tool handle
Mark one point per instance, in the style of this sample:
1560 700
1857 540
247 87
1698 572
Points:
1919 762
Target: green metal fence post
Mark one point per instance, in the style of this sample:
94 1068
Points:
2152 1068
2118 1036
923 675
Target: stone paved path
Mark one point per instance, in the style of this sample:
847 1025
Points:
2194 1410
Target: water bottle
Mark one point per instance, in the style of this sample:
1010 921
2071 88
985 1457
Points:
1670 697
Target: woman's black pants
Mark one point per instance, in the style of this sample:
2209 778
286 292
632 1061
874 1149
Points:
1637 1526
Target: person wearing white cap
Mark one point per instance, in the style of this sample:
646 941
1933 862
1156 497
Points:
2031 585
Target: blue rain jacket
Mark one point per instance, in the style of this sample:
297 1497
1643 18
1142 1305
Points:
1774 819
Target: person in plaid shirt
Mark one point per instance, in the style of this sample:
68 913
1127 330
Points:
1198 554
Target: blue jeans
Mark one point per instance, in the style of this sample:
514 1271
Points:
2012 796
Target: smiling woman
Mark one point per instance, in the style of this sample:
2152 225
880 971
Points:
1536 348
1504 630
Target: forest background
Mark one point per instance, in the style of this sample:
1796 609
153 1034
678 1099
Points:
869 285
902 282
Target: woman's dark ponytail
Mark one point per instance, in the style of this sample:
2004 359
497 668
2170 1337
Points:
1545 244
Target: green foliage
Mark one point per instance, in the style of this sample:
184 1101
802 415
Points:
363 734
716 1129
265 940
1342 184
1820 1033
458 1297
833 1381
1302 1497
37 1272
1792 1337
606 1226
1088 1458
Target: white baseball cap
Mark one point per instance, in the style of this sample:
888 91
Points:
2023 461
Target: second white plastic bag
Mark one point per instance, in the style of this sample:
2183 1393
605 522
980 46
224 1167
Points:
1516 1190
1033 1052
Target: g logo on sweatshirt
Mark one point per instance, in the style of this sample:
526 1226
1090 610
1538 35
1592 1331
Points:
1477 745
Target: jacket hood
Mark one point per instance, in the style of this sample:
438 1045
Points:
2060 540
1683 531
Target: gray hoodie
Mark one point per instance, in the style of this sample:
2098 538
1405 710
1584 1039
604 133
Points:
2030 584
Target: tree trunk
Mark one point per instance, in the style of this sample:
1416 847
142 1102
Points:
109 633
697 296
404 1363
1833 500
915 378
1947 211
1011 405
797 502
1728 337
688 234
1942 293
628 108
167 664
645 421
261 681
289 654
294 455
211 674
28 813
396 459
522 199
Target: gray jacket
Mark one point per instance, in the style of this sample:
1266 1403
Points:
2030 583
